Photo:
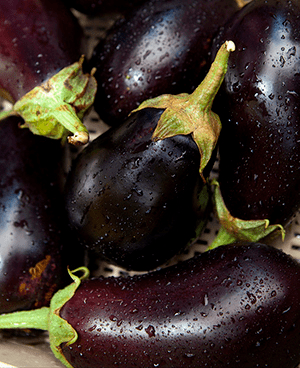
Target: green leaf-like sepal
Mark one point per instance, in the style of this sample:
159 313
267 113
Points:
235 229
191 113
60 331
56 108
48 318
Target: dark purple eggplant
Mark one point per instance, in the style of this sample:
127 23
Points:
259 178
34 241
125 194
234 306
162 47
41 67
136 194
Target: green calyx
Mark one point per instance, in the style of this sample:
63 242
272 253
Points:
48 318
56 108
235 229
191 113
60 331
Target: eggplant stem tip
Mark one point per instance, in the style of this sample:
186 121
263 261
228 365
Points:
230 46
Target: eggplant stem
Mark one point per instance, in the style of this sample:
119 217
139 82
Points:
191 113
36 319
206 92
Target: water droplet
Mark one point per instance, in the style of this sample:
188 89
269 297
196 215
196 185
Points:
179 313
147 53
260 310
286 310
286 23
139 192
92 328
252 298
150 331
236 87
205 301
189 355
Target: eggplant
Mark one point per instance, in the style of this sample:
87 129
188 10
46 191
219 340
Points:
35 246
124 194
161 47
41 68
233 306
259 171
137 194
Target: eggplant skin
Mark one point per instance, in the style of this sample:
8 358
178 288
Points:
234 306
38 38
258 106
134 201
161 47
34 241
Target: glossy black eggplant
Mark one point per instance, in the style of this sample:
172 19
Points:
258 105
41 70
125 194
33 237
234 306
136 194
162 47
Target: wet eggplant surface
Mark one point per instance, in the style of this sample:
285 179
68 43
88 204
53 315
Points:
35 351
